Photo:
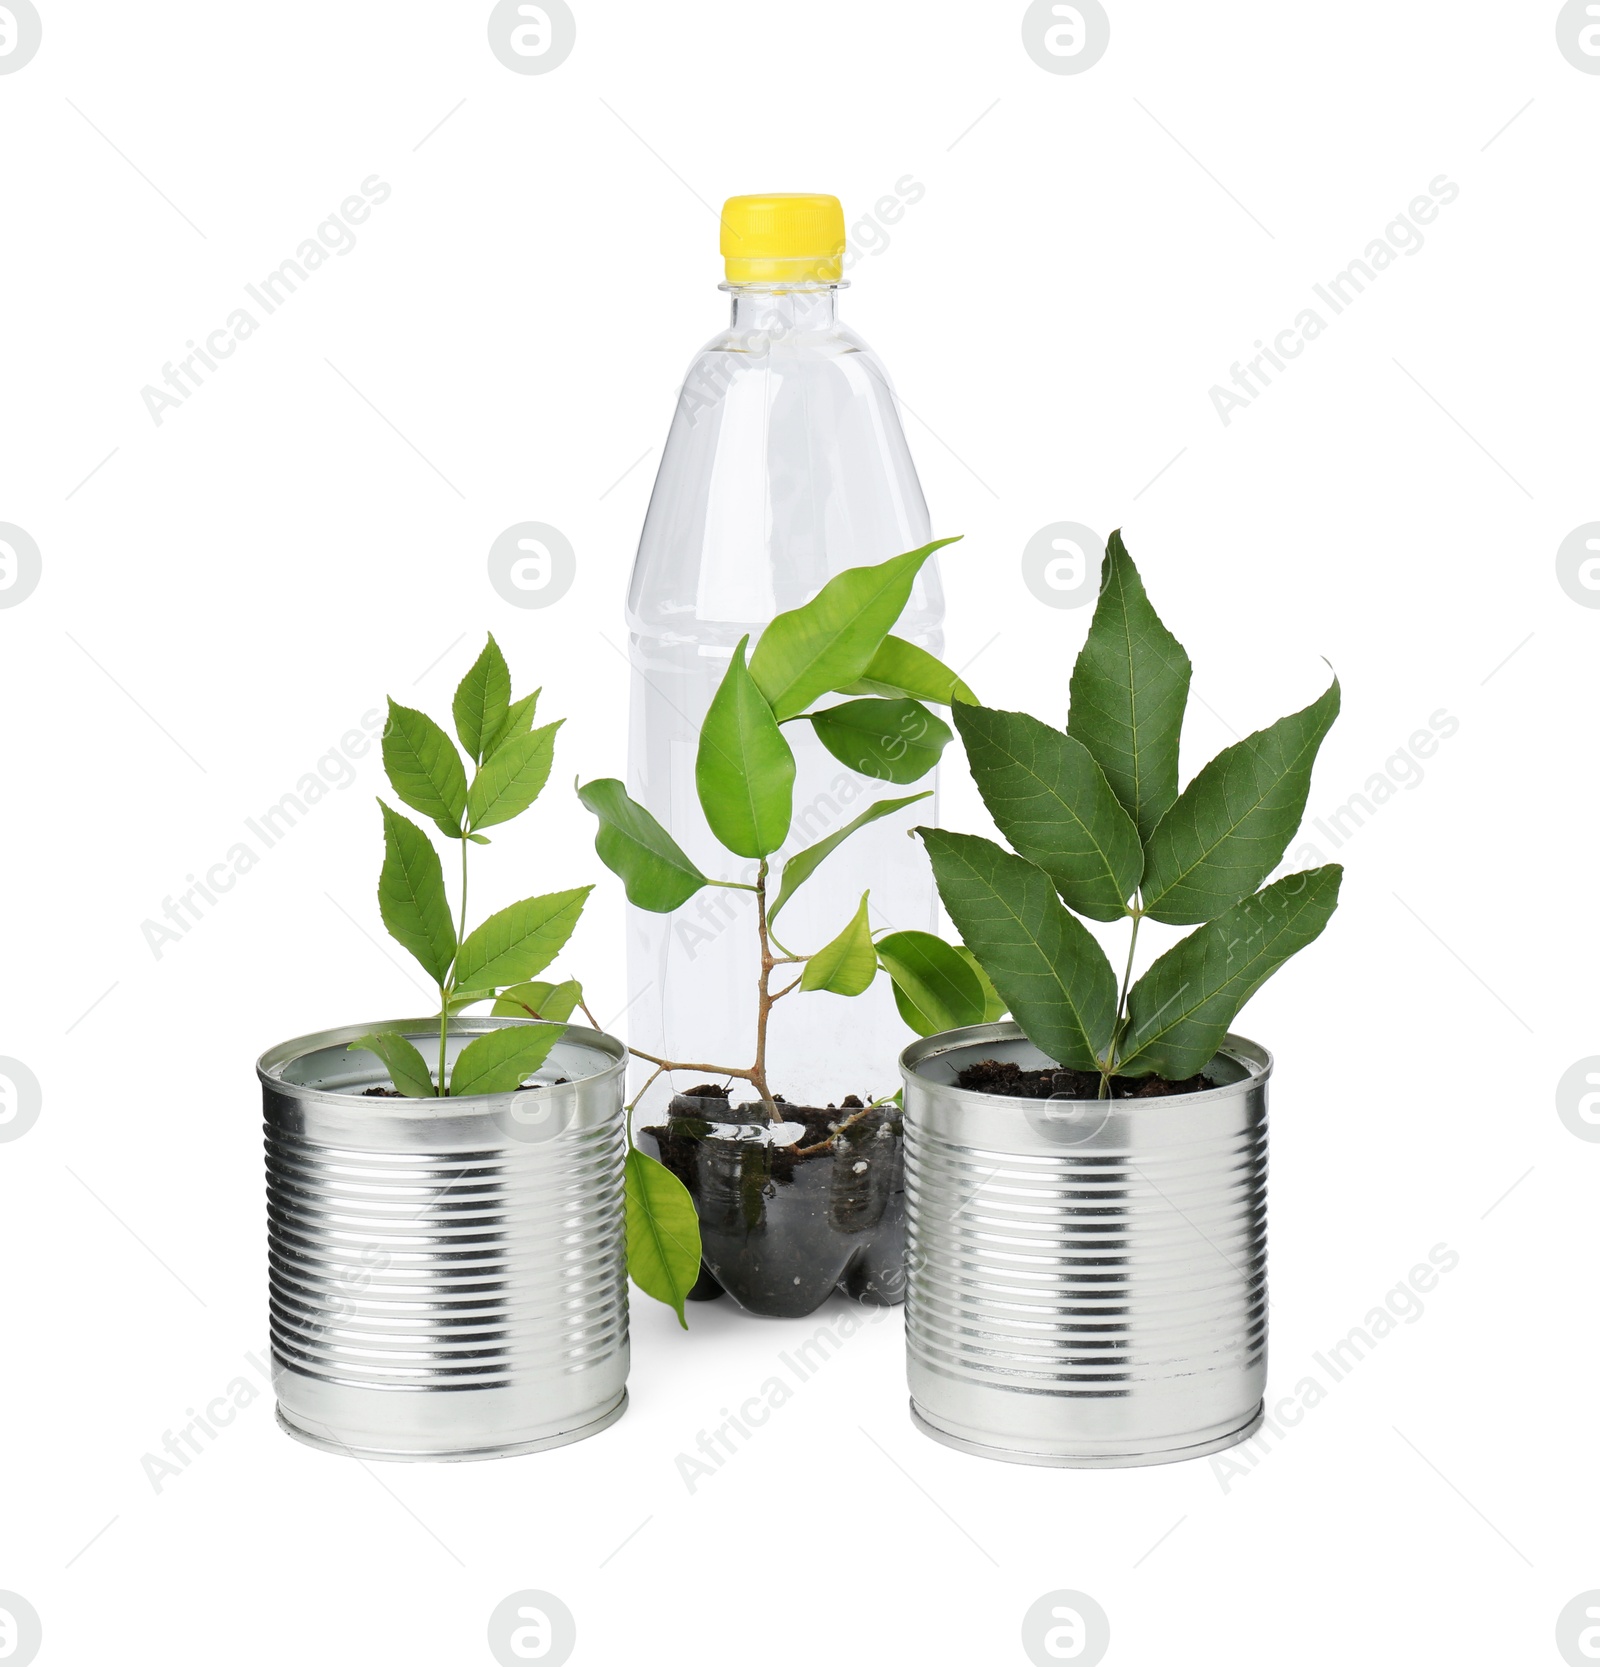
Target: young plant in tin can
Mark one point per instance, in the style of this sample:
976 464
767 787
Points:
1098 827
499 959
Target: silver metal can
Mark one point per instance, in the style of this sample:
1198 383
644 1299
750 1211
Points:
1087 1279
448 1277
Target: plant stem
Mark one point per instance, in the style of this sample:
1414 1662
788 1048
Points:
461 930
764 996
1108 1065
444 992
444 1026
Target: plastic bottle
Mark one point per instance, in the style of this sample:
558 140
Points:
786 463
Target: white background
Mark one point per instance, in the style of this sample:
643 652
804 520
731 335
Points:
231 590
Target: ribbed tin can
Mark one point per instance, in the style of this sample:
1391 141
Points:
1087 1279
447 1277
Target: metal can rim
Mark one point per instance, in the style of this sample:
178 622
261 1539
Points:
270 1066
1256 1060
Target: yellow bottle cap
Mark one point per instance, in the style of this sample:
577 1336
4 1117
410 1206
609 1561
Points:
783 237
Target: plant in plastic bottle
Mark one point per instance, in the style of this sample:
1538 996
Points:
834 665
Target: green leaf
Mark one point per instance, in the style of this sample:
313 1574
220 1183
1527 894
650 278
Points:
1053 803
901 668
1181 1009
411 895
407 1069
829 642
993 1006
634 846
1234 821
1054 977
932 981
663 1232
890 740
425 768
520 941
1129 689
498 1062
512 778
803 864
744 770
539 1000
482 701
848 964
518 721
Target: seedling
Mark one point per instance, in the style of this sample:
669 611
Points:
498 960
1097 825
837 644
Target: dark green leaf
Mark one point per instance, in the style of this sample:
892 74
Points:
512 778
803 864
520 941
635 847
424 767
1234 821
744 770
1129 688
539 1000
411 895
498 1061
1181 1009
848 964
1053 803
901 668
518 721
482 700
407 1069
1052 974
890 740
663 1233
829 642
932 981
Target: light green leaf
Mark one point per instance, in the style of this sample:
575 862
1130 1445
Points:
634 846
499 1061
424 767
1234 821
1181 1009
803 864
890 740
1052 974
408 1070
1053 803
1129 689
829 642
744 771
461 1000
848 964
518 721
482 700
539 1000
520 941
932 981
411 895
993 1006
512 778
663 1232
901 668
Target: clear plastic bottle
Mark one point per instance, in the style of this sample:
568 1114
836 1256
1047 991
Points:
786 463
